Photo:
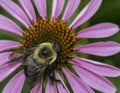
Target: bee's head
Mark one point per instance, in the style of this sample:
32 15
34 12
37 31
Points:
44 52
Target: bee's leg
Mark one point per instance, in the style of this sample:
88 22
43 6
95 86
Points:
50 70
52 77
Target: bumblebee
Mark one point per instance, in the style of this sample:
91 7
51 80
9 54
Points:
37 59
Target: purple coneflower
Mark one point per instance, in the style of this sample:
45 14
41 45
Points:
71 73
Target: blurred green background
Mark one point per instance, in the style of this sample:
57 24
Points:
108 12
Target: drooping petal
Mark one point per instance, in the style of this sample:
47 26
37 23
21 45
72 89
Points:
77 85
7 69
72 5
15 84
15 11
61 85
100 48
37 88
99 31
50 87
41 7
94 80
97 67
7 44
4 57
88 11
57 7
7 25
28 7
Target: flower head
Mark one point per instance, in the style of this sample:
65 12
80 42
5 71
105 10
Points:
47 46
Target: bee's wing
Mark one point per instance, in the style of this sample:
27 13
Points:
20 55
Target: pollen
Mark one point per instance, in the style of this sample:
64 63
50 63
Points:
46 30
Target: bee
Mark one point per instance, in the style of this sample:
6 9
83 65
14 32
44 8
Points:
37 59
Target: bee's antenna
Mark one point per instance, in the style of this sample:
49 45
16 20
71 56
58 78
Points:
35 43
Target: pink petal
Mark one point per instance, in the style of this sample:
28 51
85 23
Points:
15 84
99 31
28 7
15 11
7 69
97 67
61 85
37 88
4 57
72 5
100 48
77 85
89 10
50 87
7 44
7 25
94 80
57 7
41 7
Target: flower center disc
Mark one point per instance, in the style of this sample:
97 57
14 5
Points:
45 30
